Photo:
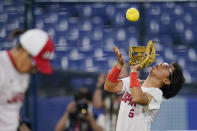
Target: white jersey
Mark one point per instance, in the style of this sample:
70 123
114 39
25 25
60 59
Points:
135 117
12 88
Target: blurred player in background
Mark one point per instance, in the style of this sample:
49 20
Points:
33 51
140 104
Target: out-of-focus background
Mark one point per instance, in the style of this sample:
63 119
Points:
84 34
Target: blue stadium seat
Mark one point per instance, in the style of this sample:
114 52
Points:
101 64
77 64
97 43
64 62
86 53
74 54
72 37
85 25
61 43
85 43
98 53
166 40
73 22
67 9
192 55
60 60
108 42
188 36
84 10
98 9
98 22
169 55
88 62
188 76
97 34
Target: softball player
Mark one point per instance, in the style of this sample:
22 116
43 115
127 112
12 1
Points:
140 103
33 51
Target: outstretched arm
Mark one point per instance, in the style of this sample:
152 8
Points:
112 84
136 92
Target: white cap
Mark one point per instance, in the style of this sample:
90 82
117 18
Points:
39 45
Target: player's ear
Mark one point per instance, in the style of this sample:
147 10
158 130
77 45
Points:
166 81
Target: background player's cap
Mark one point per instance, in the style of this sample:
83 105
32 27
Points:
39 45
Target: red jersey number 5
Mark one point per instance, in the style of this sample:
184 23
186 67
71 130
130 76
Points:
131 113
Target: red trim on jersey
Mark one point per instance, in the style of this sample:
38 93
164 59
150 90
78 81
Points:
11 59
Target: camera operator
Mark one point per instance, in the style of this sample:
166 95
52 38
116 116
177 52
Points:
79 115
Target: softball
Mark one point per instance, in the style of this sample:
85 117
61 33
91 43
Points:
132 14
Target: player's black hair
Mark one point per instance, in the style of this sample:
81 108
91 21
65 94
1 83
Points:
83 93
177 80
14 35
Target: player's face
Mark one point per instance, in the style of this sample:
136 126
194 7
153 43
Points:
24 62
162 71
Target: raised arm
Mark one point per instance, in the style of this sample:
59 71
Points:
136 92
112 84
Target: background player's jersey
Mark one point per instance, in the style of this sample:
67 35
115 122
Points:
134 117
12 88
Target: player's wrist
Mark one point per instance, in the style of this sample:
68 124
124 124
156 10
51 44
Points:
134 81
114 74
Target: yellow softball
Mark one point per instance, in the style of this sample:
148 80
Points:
132 14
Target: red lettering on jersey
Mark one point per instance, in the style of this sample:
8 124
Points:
127 97
132 103
19 97
131 113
